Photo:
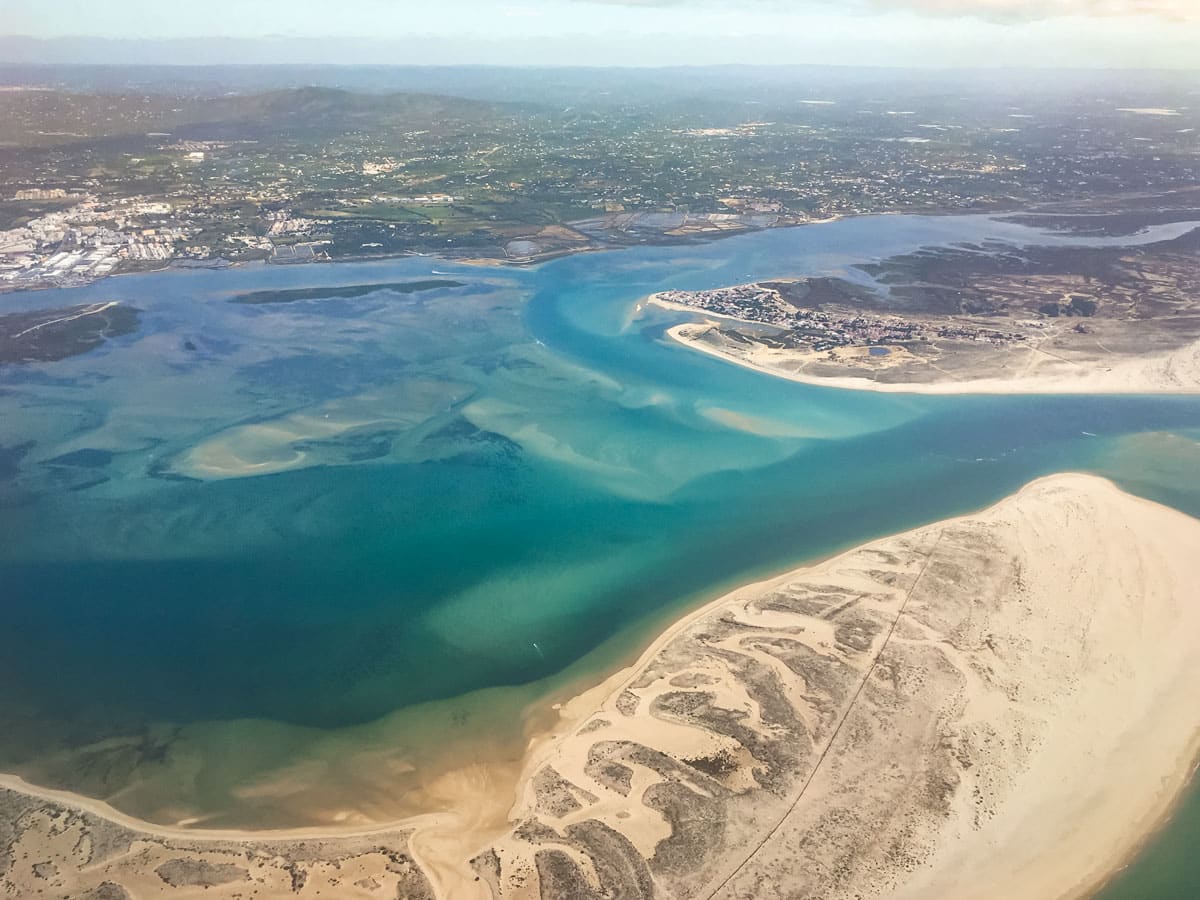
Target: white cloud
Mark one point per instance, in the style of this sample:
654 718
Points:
1024 10
996 10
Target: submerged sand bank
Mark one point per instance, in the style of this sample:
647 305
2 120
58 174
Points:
993 706
1028 370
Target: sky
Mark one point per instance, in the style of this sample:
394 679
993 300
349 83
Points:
1076 33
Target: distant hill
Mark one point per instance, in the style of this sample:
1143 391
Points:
334 110
33 118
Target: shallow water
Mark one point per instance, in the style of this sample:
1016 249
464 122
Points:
1167 868
249 542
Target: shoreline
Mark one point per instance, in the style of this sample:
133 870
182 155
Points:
440 841
1000 212
1187 783
1175 372
1175 789
484 262
505 262
1169 791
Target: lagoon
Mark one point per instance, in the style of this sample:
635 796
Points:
251 540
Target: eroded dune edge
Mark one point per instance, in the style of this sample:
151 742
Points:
992 706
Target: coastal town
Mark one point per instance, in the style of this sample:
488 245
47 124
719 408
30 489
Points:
88 239
821 329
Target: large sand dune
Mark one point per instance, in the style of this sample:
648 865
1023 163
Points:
1000 705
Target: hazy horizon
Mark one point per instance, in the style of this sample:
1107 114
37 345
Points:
218 60
1102 34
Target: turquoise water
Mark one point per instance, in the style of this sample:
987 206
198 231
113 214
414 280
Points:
465 488
1167 869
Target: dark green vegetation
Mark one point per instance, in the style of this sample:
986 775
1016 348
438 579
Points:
812 293
50 334
1157 282
15 213
1161 281
342 292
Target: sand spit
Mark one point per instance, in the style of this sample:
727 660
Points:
1028 370
1000 705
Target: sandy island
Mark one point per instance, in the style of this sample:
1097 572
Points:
1026 370
999 705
